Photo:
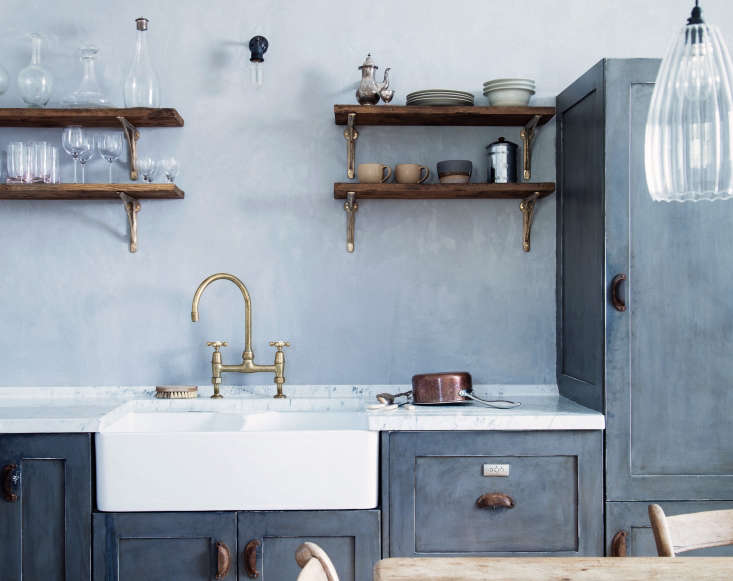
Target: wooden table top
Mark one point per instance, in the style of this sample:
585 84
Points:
555 569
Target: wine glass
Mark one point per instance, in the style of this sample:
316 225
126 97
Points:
73 142
148 168
86 154
169 167
110 148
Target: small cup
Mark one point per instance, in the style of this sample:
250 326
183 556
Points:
411 173
373 173
455 171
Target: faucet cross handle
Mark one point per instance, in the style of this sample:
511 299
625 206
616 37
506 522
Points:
216 344
279 344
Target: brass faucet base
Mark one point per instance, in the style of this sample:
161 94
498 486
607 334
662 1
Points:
217 396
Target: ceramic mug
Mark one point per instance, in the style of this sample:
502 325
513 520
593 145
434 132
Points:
411 173
373 173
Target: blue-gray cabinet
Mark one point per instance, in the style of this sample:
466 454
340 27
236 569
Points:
181 546
268 539
651 347
45 509
493 493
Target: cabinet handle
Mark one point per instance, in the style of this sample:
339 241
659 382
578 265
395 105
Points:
11 478
495 500
250 559
618 544
617 302
223 560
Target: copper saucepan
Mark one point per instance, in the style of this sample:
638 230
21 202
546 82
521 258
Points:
452 387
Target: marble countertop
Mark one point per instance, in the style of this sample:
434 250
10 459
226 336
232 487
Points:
86 409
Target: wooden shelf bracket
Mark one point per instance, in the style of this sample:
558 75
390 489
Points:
132 208
350 206
132 134
528 134
351 135
527 208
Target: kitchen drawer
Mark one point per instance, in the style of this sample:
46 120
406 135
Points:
553 484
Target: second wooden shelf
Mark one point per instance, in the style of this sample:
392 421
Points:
516 191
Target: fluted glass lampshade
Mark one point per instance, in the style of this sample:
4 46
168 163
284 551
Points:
689 133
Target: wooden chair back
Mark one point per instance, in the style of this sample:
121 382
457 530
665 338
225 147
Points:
687 532
314 563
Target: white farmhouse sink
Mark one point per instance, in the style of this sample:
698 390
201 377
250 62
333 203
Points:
185 461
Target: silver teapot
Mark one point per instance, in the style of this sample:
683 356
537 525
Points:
370 91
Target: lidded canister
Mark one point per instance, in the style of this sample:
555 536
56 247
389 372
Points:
502 161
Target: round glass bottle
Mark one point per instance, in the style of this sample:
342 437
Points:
35 83
142 88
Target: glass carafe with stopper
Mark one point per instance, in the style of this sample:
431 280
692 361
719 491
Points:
35 83
142 88
89 94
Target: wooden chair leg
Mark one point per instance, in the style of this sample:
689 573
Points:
661 531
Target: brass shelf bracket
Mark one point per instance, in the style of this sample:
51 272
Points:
132 134
528 134
350 206
132 208
527 208
351 135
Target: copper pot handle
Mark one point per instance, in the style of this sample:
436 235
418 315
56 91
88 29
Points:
617 302
11 478
495 500
250 559
223 560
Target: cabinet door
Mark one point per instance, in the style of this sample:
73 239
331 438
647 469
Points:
45 509
268 540
668 359
631 519
495 493
156 546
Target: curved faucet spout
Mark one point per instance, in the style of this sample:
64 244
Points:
247 355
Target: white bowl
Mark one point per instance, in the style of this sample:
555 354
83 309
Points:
491 82
509 97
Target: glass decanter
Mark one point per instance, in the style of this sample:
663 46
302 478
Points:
35 83
89 94
142 88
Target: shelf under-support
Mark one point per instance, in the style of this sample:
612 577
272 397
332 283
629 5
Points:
351 135
350 206
528 134
132 134
527 207
132 208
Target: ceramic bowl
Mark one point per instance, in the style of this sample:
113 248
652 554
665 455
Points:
455 171
509 97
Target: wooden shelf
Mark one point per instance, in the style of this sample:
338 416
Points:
427 115
138 116
89 191
517 191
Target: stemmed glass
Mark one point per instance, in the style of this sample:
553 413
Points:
148 168
169 167
110 148
74 142
86 154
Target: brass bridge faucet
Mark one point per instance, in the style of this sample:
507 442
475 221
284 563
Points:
248 364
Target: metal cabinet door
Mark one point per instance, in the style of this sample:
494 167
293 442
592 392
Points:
45 508
668 355
631 520
268 540
180 546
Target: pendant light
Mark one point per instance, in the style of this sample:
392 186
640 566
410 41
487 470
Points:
688 149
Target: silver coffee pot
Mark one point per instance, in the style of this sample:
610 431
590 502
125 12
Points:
370 91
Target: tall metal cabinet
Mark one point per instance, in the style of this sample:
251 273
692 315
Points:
644 307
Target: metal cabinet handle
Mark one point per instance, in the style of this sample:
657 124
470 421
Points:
618 544
617 302
495 500
11 478
223 560
250 559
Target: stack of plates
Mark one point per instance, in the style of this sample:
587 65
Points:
439 97
509 91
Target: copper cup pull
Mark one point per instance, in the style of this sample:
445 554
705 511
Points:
223 560
250 559
11 478
495 500
617 302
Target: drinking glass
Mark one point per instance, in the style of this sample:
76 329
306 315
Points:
148 168
28 163
169 167
38 163
86 154
16 150
110 148
73 141
52 173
